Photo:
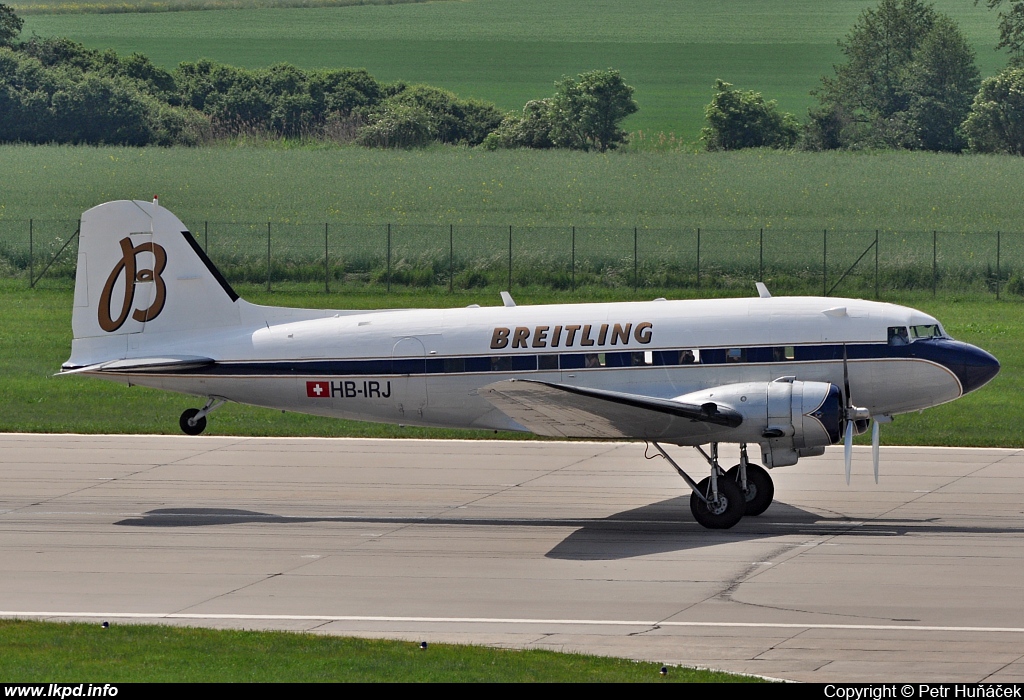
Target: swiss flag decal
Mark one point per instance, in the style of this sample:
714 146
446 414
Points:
318 390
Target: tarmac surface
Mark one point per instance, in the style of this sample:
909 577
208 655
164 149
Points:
583 547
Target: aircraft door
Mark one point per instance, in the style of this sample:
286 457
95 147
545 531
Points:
408 362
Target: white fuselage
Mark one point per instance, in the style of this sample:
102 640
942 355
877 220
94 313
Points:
424 367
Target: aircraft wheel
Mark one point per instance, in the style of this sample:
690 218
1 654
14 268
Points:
720 514
760 489
200 425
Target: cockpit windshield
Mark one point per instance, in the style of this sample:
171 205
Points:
902 335
926 332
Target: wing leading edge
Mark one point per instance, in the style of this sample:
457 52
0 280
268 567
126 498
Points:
560 410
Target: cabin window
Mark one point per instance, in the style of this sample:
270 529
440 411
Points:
523 363
736 355
548 361
898 335
573 361
454 364
783 354
686 356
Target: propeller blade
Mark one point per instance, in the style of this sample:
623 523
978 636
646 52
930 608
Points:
847 399
848 448
874 446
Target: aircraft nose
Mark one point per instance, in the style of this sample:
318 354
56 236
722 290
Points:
974 367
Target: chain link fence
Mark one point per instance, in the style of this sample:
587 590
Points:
331 257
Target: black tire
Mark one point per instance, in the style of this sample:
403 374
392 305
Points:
200 425
723 514
760 488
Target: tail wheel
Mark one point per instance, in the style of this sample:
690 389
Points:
718 513
189 424
760 489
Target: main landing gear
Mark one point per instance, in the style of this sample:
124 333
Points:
719 501
193 420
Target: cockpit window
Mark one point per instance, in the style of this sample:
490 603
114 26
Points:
926 332
898 335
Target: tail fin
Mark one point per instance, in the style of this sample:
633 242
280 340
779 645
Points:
140 273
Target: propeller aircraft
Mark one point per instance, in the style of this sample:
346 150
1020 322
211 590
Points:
791 375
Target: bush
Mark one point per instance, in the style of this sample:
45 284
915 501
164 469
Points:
397 126
450 119
739 119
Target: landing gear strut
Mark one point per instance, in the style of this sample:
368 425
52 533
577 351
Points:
717 502
193 420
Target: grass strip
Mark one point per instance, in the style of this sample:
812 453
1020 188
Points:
46 652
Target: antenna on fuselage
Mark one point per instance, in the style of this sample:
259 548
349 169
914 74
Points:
762 290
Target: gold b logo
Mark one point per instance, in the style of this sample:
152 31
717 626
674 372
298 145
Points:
132 275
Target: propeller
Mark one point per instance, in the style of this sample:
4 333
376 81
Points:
853 414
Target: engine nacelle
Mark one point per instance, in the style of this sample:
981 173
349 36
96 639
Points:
789 419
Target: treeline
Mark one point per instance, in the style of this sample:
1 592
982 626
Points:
53 90
909 82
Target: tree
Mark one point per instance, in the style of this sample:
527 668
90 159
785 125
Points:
996 122
10 25
586 112
739 119
907 82
1011 29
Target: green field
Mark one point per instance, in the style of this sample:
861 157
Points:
512 51
38 652
636 215
743 190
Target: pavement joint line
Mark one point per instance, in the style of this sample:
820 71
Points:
503 621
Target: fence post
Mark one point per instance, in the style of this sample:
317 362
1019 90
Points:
327 264
760 264
451 258
510 258
935 261
268 256
698 258
997 264
31 259
876 264
634 260
389 258
824 262
573 260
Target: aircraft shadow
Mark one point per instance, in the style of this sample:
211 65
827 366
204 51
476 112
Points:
665 526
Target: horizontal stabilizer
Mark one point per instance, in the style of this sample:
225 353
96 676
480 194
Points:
143 364
560 410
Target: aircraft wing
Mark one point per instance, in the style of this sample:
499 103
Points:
561 410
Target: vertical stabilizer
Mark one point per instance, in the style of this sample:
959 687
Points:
140 275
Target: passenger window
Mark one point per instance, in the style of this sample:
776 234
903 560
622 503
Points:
548 361
736 355
783 354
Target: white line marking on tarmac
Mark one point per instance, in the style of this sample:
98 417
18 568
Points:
495 620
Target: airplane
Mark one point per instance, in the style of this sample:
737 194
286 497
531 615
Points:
789 374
